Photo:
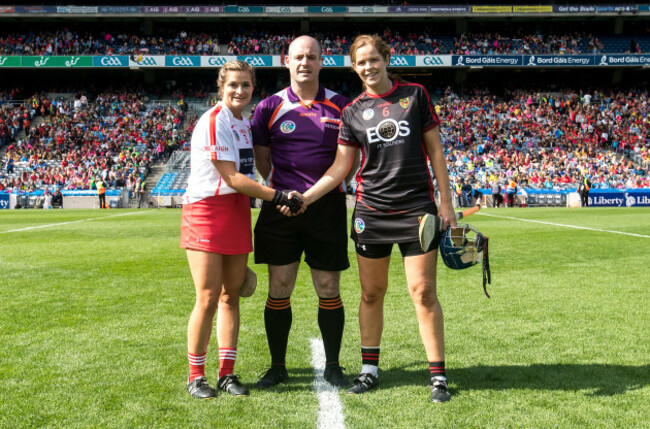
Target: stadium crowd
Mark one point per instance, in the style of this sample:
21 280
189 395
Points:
74 143
404 42
548 140
543 140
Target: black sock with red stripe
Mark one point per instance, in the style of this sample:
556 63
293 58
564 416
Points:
437 369
370 360
277 321
331 318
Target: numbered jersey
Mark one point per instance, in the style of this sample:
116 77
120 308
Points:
388 128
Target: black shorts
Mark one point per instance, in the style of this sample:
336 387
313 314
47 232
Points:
320 232
374 232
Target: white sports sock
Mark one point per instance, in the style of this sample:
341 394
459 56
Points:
370 369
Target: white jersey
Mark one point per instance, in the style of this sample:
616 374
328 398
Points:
218 136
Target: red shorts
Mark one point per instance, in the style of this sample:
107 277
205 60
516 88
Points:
219 224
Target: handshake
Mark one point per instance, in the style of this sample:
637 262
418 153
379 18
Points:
294 203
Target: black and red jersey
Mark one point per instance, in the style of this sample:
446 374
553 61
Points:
388 128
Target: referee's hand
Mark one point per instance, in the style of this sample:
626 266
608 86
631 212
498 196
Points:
289 203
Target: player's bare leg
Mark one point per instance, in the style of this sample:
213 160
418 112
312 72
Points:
421 280
373 274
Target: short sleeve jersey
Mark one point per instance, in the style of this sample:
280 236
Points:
218 136
302 138
388 128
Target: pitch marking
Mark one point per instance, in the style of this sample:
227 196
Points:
330 413
566 226
68 223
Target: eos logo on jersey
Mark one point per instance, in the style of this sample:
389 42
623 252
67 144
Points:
387 131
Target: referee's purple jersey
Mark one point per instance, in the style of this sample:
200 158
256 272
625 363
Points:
302 138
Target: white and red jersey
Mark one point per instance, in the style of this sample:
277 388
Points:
218 136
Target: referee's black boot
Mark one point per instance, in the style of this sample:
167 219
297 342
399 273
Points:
274 376
334 375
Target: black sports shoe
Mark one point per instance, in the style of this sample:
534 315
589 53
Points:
199 388
363 383
334 376
439 390
230 383
274 376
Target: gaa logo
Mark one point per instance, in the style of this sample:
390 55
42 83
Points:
387 131
433 61
326 9
359 225
329 61
398 61
255 61
182 61
217 61
147 61
110 61
285 9
287 127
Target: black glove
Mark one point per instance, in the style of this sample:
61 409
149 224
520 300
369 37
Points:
281 198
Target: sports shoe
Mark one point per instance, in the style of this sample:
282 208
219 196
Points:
250 284
334 376
199 388
439 390
230 383
363 383
274 376
430 232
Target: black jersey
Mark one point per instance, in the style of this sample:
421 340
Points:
394 175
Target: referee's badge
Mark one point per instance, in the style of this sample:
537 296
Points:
287 127
404 102
368 114
359 225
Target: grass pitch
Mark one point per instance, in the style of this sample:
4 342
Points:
94 308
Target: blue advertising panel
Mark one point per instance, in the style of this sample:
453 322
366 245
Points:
560 60
619 198
35 9
244 9
183 61
120 9
487 60
623 60
408 9
4 200
334 60
111 61
327 9
449 9
402 61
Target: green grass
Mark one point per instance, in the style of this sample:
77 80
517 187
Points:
93 318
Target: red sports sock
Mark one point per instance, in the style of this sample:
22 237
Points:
197 365
227 356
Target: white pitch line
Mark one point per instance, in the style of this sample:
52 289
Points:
330 413
68 223
563 225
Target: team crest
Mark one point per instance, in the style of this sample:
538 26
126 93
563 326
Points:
359 225
368 114
287 127
405 103
234 131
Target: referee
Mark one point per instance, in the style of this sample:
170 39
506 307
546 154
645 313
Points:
294 138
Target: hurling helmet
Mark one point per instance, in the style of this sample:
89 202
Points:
463 246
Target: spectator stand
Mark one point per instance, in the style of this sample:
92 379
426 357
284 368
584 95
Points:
171 186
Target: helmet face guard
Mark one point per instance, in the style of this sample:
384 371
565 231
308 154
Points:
464 246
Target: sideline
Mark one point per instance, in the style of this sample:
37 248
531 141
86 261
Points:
563 225
330 412
74 221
